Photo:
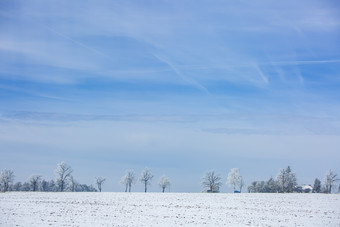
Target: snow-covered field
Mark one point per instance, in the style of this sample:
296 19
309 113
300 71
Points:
168 209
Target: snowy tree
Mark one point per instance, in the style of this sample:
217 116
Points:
271 185
128 180
34 181
241 183
85 188
52 187
282 180
63 174
26 187
292 182
146 178
6 178
260 186
317 186
164 182
251 187
286 180
17 186
211 181
330 180
73 184
100 181
234 178
44 186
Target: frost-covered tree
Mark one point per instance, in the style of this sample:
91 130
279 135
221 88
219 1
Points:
211 181
260 186
73 184
234 178
17 186
100 181
317 186
52 187
330 180
146 178
241 183
6 178
63 173
85 188
26 187
164 182
44 187
34 181
271 186
251 187
286 180
128 180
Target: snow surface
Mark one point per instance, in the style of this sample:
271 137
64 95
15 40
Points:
168 209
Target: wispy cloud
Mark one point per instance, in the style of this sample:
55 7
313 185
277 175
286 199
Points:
260 72
186 79
32 93
244 131
93 50
304 62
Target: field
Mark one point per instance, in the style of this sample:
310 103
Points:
168 209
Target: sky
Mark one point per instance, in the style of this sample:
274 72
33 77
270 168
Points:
180 87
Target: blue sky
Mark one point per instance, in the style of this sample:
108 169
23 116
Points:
181 87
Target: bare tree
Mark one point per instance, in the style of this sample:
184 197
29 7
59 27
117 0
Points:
164 182
52 187
211 181
6 178
73 184
44 186
34 181
100 181
286 180
63 174
234 178
17 186
128 180
241 183
146 178
330 180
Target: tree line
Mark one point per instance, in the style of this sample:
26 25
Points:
64 181
284 182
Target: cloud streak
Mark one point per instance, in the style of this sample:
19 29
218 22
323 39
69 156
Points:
182 76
